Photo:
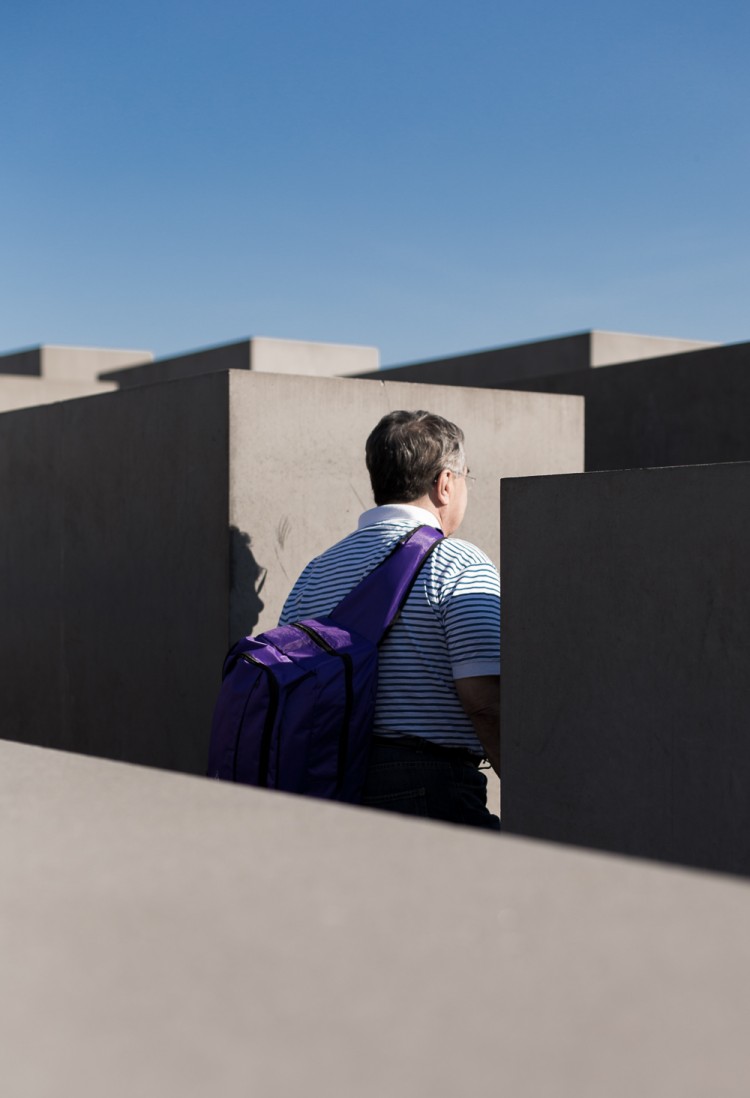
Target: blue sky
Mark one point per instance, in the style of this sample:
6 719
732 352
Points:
429 177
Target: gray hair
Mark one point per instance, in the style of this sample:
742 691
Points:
406 452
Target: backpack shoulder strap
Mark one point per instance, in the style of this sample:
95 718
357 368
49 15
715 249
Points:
371 608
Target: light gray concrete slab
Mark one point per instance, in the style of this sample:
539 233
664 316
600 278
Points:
261 355
298 480
169 937
608 348
293 356
69 364
626 633
27 392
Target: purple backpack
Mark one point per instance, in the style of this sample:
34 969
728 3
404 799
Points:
296 706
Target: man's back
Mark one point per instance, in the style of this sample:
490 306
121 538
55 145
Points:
449 627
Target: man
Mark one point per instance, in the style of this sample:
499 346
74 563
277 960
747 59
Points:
437 712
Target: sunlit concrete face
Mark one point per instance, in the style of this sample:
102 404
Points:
166 935
149 528
297 475
29 392
626 632
48 374
69 364
608 348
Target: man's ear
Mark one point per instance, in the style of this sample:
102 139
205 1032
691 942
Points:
443 486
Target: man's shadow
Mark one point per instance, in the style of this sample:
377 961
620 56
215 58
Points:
246 579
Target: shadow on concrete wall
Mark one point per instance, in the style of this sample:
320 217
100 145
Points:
246 579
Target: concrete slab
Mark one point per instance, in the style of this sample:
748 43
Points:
626 632
28 392
147 530
114 572
539 358
683 409
609 348
166 935
261 355
69 364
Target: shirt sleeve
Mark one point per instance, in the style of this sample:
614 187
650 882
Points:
469 608
290 611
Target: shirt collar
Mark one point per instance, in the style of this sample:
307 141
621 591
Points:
398 512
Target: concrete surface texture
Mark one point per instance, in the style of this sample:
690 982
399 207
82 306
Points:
27 392
168 936
684 409
563 354
280 356
69 364
149 528
626 632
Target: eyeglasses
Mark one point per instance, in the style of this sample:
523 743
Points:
453 473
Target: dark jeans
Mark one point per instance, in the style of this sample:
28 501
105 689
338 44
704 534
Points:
418 779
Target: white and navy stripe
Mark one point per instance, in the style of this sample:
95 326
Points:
449 627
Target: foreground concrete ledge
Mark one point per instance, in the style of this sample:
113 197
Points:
166 935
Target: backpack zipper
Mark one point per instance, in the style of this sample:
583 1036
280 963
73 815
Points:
348 697
265 743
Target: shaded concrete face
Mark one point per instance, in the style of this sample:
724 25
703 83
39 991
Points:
146 530
565 354
171 936
280 356
69 364
114 572
626 631
28 392
682 410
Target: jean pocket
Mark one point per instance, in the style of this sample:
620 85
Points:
410 802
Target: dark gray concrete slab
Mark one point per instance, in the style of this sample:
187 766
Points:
226 356
114 572
626 647
680 410
488 368
170 937
539 358
260 354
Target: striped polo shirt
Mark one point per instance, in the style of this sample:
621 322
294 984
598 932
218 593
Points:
449 627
